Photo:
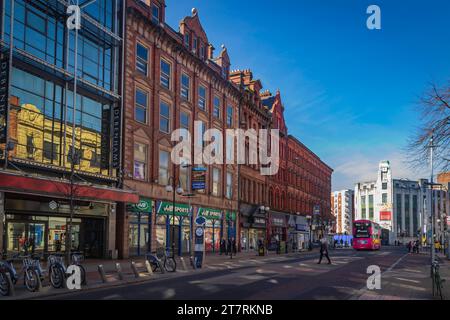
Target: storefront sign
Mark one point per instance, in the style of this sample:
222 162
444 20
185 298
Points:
4 97
231 216
385 216
278 222
210 214
260 221
116 137
198 178
317 210
166 208
105 149
144 205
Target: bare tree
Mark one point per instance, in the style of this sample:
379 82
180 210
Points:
434 107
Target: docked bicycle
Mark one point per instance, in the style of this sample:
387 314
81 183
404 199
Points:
32 274
162 261
57 270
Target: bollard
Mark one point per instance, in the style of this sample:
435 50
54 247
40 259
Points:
183 264
148 267
135 270
12 291
193 263
119 271
101 271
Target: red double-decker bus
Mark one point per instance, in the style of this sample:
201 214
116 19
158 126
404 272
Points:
366 235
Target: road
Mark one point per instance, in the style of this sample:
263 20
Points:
280 278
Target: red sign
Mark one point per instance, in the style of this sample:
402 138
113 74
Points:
385 216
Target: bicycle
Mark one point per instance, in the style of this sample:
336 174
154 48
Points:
5 281
162 260
58 272
437 282
32 275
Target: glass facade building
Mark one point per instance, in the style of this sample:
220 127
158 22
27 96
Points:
50 132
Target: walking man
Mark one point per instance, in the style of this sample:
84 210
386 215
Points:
323 250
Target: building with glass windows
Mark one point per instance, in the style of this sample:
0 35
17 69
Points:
402 206
174 80
61 135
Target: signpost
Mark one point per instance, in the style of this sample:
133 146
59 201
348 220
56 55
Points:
199 248
198 179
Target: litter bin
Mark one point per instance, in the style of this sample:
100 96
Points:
261 251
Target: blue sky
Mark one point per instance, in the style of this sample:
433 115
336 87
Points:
350 93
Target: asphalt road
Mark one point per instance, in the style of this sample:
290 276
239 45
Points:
286 278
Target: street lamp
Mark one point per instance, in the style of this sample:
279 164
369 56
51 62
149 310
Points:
172 188
265 210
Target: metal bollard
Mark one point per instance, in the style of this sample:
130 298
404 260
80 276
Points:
148 267
101 271
193 263
135 270
12 290
183 264
119 271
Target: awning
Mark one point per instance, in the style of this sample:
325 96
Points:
11 182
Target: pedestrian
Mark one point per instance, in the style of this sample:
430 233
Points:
222 246
335 243
417 246
228 248
323 250
409 246
233 246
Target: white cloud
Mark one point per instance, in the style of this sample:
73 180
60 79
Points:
352 169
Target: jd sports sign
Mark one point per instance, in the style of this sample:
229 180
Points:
144 205
166 208
4 85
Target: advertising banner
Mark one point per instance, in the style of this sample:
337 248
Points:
4 96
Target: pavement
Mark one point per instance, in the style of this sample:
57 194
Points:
295 276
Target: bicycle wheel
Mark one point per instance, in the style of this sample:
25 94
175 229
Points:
5 284
83 275
32 280
170 265
56 277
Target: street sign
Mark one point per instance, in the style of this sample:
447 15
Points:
317 210
200 221
198 178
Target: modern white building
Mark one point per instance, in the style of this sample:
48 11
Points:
342 208
401 206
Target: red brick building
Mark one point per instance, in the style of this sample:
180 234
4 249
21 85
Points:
172 80
253 186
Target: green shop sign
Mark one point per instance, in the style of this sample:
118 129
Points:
210 214
144 205
231 216
166 208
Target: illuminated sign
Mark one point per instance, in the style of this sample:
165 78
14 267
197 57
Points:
385 216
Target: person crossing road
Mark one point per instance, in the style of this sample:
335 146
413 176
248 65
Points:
324 250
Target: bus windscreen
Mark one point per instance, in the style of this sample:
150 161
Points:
362 230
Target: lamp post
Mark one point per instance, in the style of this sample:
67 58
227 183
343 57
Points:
265 210
172 188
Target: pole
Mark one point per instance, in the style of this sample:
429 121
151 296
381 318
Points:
73 155
173 212
8 104
431 200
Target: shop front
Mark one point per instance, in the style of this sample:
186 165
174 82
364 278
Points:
36 224
253 228
173 228
278 232
214 228
302 229
139 227
36 214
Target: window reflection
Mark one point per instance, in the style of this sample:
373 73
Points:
40 130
